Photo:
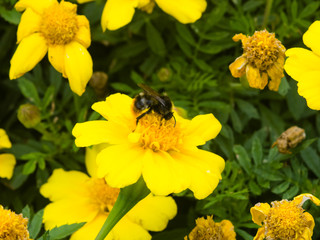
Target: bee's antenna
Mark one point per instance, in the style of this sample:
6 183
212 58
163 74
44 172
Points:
174 120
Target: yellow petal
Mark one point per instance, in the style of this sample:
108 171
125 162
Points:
78 66
237 68
299 200
259 212
300 61
7 163
83 35
276 74
202 128
311 38
121 165
91 156
91 133
56 55
254 78
203 168
185 11
310 221
29 23
153 212
117 13
29 52
36 5
117 108
162 174
84 1
309 88
228 230
62 184
4 139
260 234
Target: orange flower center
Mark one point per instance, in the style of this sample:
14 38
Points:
103 196
13 226
59 23
156 133
262 49
285 220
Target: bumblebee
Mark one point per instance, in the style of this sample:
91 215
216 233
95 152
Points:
153 101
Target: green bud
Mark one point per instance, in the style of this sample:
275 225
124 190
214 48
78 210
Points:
164 74
29 115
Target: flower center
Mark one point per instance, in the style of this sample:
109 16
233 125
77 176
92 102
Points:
262 49
103 196
206 229
156 133
285 220
13 226
59 23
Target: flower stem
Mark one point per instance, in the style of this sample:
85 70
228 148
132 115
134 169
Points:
267 13
127 199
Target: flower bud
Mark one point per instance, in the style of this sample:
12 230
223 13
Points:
99 82
29 115
164 74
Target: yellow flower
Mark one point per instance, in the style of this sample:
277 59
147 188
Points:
49 26
263 57
77 198
285 220
7 160
304 66
118 13
208 229
165 153
13 226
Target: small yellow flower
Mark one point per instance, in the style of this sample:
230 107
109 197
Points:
163 151
263 57
304 66
49 26
77 198
285 220
118 13
208 229
7 160
13 226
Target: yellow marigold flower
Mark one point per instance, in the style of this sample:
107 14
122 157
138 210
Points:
76 198
49 26
118 13
165 153
285 220
263 57
304 66
13 226
7 160
208 229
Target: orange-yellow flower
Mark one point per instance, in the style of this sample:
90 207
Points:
208 229
262 58
7 160
163 151
285 220
304 66
49 26
76 198
13 226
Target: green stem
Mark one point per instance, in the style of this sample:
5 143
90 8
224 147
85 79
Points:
127 199
267 13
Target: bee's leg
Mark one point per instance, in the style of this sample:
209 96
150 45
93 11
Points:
142 115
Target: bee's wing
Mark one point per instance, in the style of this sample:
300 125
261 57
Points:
152 93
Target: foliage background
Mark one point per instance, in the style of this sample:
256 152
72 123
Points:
189 62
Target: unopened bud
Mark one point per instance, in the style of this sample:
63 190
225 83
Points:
29 115
164 74
99 82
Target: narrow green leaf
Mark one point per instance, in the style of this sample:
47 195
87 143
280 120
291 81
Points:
29 90
185 33
48 96
278 189
26 212
236 122
11 16
292 192
243 158
155 40
254 188
64 231
256 151
309 9
35 224
269 174
312 160
248 108
29 167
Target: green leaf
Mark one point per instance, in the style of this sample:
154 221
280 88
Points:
243 158
256 151
292 192
309 9
11 16
312 160
29 90
269 174
64 231
236 122
185 33
278 189
26 212
122 87
284 87
155 40
29 167
35 224
243 234
18 178
248 108
294 9
254 188
48 97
